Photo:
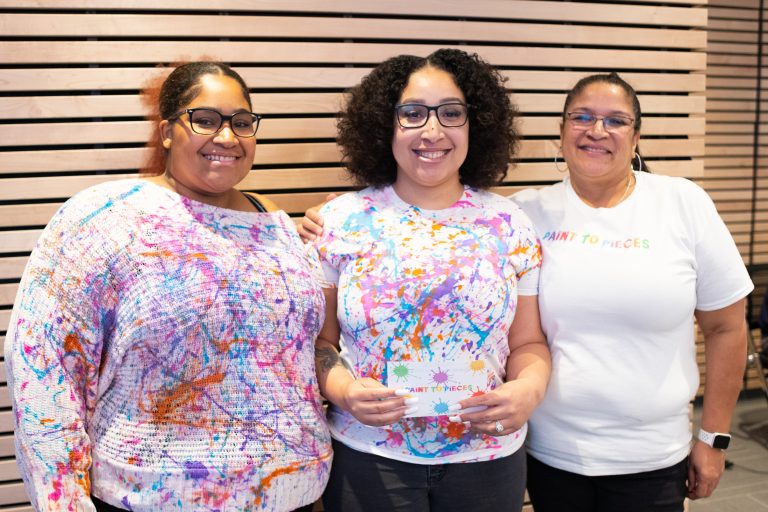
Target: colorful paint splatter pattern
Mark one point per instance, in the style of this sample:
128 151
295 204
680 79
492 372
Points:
419 285
161 355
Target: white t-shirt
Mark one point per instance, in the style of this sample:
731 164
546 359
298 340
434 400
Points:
618 291
436 286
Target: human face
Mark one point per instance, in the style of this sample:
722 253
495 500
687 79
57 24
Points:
428 158
596 154
207 167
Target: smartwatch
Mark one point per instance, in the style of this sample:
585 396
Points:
717 440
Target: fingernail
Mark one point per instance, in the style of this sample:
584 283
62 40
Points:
454 407
402 392
412 400
454 419
411 410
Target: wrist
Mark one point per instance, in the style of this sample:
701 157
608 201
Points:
718 440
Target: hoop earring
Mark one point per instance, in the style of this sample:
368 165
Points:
639 163
557 157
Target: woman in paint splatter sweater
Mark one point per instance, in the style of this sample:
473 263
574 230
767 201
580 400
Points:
160 349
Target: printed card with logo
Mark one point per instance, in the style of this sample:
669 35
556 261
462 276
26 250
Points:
437 384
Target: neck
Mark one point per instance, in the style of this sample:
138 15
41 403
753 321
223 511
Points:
429 198
231 199
598 195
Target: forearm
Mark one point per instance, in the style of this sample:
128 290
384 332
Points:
725 361
332 376
726 352
531 362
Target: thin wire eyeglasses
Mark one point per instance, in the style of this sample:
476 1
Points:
206 121
416 115
585 120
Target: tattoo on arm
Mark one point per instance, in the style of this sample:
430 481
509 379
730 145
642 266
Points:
326 358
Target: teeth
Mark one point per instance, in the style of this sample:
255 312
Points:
220 158
432 154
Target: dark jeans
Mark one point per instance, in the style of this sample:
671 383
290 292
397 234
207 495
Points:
362 482
555 490
106 507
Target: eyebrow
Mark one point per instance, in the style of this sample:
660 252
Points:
237 111
423 102
612 113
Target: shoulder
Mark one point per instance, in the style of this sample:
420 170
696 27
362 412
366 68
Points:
682 189
102 198
267 203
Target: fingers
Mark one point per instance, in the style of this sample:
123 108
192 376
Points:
375 405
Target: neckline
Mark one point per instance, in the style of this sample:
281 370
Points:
406 205
629 193
196 203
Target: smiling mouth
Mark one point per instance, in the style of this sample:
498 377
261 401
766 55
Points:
592 149
220 158
432 155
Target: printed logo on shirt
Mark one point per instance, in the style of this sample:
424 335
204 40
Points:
596 241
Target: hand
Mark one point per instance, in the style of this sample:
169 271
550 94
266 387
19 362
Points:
705 467
510 404
311 225
371 403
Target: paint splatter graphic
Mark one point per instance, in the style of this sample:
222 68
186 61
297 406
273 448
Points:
400 372
182 335
417 285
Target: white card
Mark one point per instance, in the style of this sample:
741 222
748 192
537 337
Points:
437 384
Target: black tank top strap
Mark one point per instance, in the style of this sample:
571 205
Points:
255 202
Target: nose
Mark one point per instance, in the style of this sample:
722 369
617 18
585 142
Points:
226 136
594 131
433 129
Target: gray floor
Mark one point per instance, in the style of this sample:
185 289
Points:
744 487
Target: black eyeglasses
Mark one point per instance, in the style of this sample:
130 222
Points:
416 115
206 121
585 120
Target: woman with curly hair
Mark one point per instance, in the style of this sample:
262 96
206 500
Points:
431 354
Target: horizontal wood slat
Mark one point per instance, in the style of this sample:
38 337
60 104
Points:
81 52
534 10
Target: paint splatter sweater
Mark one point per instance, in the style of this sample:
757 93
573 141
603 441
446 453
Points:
437 286
160 355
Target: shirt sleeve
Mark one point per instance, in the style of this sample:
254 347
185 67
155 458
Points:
53 351
721 276
526 252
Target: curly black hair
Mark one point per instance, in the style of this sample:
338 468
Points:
366 125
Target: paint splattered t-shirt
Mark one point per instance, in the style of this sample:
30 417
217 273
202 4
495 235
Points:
161 357
426 285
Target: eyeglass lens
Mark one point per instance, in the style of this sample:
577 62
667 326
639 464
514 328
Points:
414 115
209 122
587 120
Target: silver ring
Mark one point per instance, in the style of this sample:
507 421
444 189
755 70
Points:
499 427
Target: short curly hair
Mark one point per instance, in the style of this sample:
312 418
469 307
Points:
366 125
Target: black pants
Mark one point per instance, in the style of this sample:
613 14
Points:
555 490
362 482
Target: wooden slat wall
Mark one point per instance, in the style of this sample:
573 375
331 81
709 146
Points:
733 177
70 115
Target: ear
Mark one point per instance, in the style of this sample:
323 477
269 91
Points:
165 130
635 141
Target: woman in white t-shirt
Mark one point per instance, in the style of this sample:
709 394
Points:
629 260
431 286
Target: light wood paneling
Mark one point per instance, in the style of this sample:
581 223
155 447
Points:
72 117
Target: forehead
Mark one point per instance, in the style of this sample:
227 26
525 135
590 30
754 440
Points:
430 83
219 91
601 96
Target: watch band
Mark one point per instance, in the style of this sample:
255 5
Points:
719 440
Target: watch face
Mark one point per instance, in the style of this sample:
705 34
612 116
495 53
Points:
721 442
